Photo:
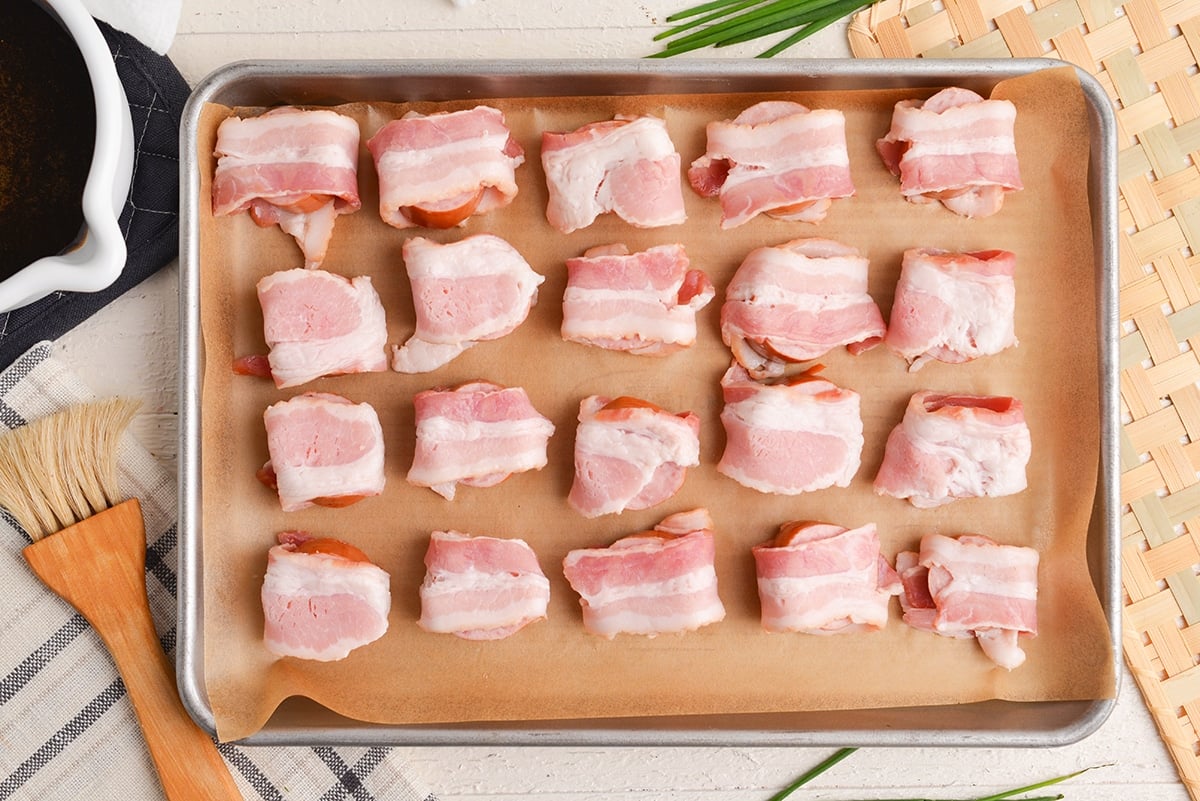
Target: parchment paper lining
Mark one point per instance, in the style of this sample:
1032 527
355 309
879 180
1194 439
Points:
553 669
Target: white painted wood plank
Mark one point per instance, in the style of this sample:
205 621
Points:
1139 769
130 349
198 54
361 16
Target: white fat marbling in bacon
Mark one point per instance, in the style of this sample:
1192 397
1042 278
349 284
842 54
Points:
956 148
953 307
656 582
797 301
477 434
789 437
325 450
972 586
776 158
317 323
820 578
955 446
321 599
436 170
627 165
291 168
481 588
643 303
464 292
630 454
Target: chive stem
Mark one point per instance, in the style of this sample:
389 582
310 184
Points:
770 12
813 9
702 9
808 30
736 15
738 5
820 9
720 23
1032 787
837 757
1002 796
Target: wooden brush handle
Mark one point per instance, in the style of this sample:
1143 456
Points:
98 566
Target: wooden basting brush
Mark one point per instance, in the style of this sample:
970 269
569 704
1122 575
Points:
58 479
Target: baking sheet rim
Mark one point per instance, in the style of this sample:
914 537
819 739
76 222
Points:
698 76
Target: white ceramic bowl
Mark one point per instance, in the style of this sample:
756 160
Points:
99 258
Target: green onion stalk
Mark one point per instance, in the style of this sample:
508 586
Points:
841 754
721 23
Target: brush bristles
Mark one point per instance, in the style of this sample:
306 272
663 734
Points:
62 468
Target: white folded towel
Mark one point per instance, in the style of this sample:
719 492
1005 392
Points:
152 22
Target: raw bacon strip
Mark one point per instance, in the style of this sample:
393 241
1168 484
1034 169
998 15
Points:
643 303
325 451
819 578
955 446
322 598
481 588
776 158
656 582
627 165
630 454
464 292
915 600
476 434
953 307
318 324
956 148
795 436
972 586
291 168
797 301
437 170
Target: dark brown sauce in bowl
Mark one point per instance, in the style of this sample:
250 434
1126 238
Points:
47 134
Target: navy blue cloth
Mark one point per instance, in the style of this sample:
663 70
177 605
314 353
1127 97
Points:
150 220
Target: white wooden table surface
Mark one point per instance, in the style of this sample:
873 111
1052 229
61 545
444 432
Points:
130 348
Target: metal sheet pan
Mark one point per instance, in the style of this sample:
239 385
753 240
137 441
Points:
300 722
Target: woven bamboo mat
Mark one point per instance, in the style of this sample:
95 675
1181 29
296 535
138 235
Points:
1145 55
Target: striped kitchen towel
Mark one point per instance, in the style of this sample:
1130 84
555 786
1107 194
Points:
67 729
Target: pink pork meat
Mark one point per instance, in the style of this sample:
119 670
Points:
436 170
656 582
955 446
956 148
953 307
466 292
797 301
322 598
325 451
819 578
627 166
971 586
643 303
291 168
630 454
481 588
797 435
476 434
317 324
915 600
776 158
